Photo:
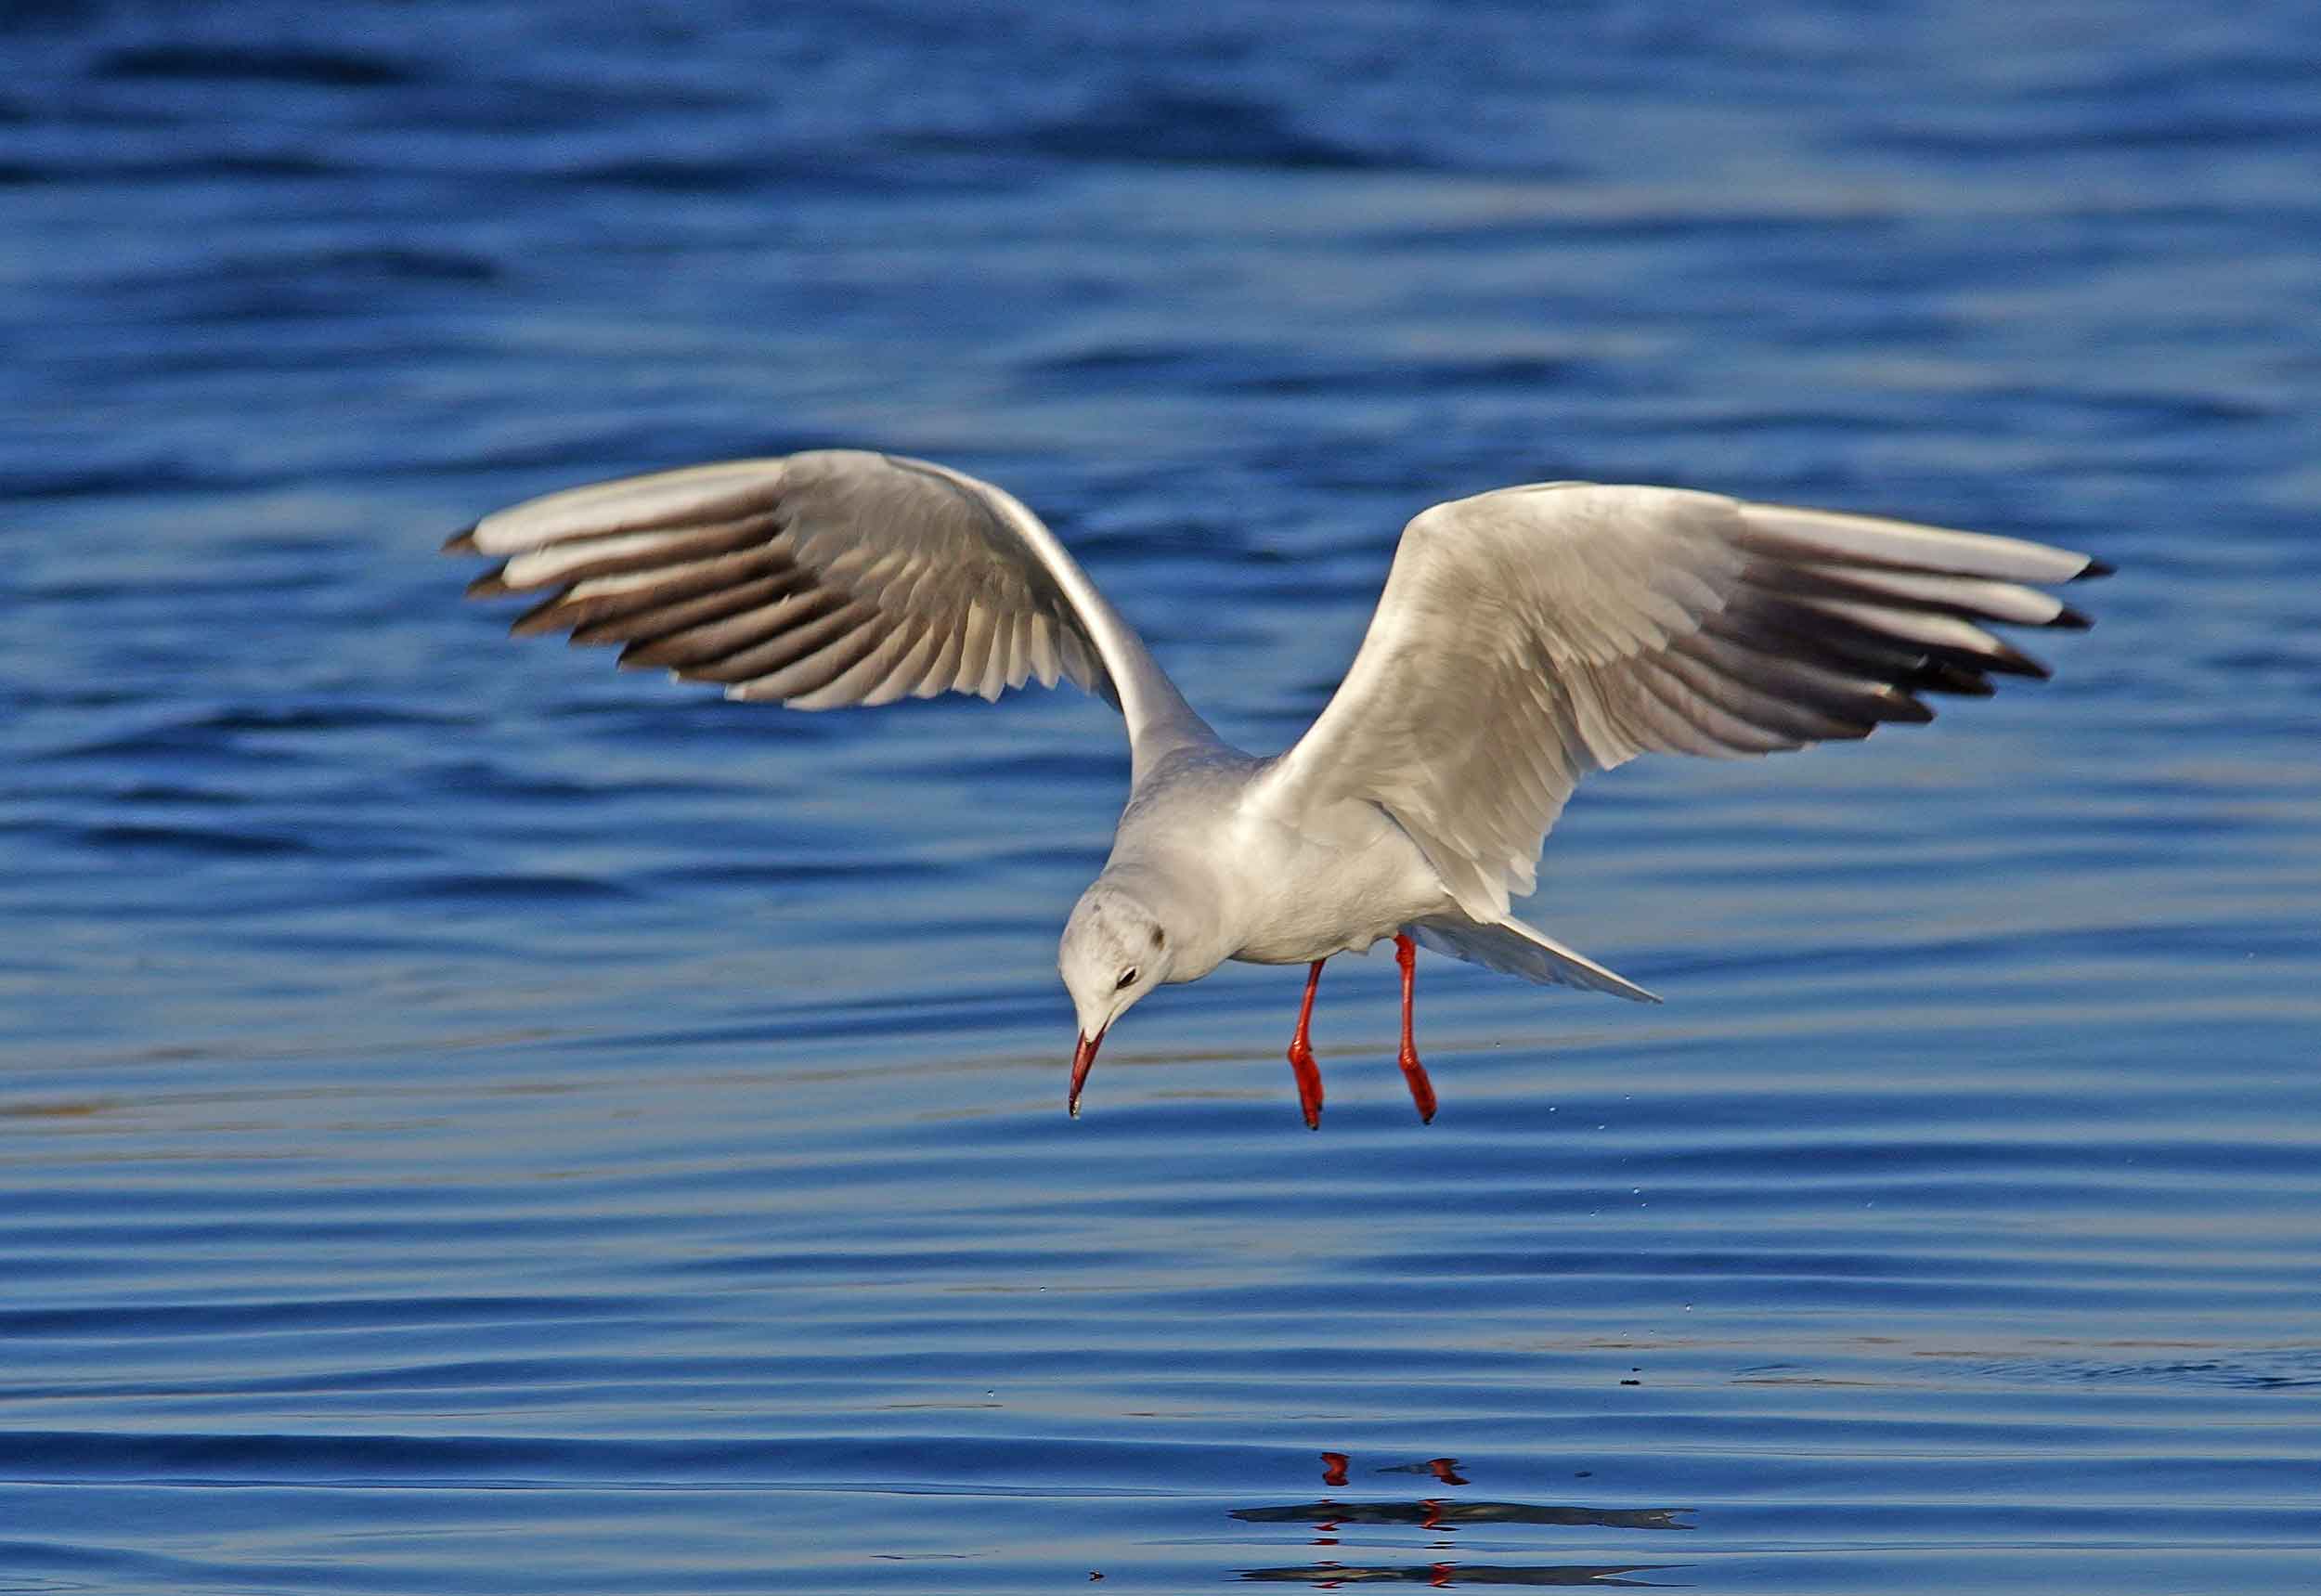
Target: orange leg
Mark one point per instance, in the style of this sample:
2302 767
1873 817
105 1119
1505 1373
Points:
1413 1072
1301 1054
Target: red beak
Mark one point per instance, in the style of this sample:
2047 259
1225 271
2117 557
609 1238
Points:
1084 1057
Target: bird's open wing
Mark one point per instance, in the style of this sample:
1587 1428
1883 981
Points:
1529 636
822 579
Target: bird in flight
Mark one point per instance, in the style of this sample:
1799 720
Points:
1526 637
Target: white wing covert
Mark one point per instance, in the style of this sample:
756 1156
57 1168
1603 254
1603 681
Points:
1530 635
820 580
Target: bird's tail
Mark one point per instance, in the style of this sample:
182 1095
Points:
1512 948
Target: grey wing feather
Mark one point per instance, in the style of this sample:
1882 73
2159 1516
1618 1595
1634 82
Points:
1529 636
822 579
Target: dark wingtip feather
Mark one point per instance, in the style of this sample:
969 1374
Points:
2093 569
2070 621
489 585
540 617
1896 705
1940 676
2012 661
462 542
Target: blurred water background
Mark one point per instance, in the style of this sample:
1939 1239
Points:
472 1121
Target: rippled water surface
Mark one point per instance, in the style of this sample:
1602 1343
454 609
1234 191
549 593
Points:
471 1120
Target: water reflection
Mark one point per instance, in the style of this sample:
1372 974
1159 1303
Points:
1439 1516
1435 1514
1449 1575
1442 1469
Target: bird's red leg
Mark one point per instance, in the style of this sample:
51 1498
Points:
1301 1054
1413 1072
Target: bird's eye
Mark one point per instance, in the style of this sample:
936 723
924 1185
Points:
1128 978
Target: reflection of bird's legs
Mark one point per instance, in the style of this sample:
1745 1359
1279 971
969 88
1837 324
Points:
1413 1072
1333 1474
1301 1054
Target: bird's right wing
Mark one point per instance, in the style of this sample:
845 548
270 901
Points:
825 578
1533 634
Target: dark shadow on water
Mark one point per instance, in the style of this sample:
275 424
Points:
1441 1515
1451 1576
1432 1513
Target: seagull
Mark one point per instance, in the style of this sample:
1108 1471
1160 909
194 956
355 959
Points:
1525 637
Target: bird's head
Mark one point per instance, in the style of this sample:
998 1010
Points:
1114 951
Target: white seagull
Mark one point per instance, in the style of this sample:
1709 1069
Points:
1525 637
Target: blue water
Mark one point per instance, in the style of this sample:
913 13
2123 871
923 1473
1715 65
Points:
475 1122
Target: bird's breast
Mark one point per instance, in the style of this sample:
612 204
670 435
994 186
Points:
1306 892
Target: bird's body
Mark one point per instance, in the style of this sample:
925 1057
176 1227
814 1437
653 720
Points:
1261 886
1525 637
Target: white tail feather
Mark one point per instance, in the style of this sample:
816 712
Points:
1512 948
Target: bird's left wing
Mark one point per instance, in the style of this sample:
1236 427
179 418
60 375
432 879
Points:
830 578
1531 635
